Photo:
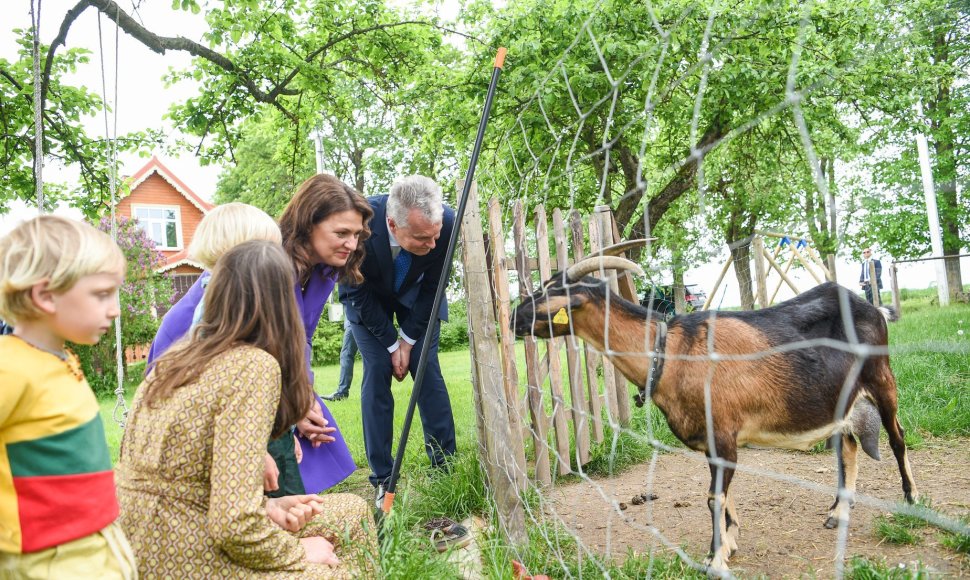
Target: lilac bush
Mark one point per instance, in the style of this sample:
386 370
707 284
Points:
144 295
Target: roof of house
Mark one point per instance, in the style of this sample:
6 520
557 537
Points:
180 258
155 165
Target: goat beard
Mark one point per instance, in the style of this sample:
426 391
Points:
640 398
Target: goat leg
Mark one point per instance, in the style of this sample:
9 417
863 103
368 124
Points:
847 454
723 513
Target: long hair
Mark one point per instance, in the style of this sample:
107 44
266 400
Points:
248 301
317 199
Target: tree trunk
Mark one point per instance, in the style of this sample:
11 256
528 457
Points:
820 211
682 181
741 256
357 162
940 112
680 304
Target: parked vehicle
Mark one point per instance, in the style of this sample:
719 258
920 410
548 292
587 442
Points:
660 298
694 295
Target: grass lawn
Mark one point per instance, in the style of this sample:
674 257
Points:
456 368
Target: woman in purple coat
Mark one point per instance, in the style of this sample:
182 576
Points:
323 228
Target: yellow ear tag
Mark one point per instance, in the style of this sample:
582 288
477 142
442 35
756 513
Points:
561 317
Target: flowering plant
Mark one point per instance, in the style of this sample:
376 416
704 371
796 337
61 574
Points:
145 295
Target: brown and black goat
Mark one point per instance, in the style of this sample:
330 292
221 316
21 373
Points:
790 376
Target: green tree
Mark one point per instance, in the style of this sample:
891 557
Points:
932 64
295 56
64 138
627 104
268 167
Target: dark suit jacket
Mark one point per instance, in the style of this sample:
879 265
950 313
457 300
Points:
373 303
862 274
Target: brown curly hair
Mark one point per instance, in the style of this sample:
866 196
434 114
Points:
317 199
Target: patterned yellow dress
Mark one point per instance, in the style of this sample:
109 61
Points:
190 484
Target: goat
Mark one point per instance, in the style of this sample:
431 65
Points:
761 391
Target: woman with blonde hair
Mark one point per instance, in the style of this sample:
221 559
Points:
221 229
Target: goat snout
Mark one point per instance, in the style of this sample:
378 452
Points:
523 318
526 321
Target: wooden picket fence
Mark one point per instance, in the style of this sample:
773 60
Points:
560 429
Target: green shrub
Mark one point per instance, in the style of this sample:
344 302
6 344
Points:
454 333
327 340
329 336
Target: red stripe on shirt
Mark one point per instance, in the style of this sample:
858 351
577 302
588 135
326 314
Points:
55 509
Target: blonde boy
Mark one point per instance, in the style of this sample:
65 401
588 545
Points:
59 282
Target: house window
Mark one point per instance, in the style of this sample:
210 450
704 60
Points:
162 225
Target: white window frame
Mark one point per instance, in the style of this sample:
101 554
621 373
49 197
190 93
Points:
178 221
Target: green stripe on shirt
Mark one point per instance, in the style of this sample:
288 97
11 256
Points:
82 449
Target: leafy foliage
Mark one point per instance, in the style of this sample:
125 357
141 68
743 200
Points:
64 137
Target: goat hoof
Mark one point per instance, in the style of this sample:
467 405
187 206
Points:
716 567
831 523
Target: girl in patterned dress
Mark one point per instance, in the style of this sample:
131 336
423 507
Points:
190 476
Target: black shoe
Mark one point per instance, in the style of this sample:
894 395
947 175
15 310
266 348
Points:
338 396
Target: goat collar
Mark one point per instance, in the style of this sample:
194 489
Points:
656 363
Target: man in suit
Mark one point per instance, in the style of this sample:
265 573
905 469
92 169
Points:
401 273
864 280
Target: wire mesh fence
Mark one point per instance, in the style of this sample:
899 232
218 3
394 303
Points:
640 137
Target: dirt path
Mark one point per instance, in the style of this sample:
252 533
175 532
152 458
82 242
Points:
781 521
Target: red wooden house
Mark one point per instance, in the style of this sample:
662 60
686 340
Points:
169 211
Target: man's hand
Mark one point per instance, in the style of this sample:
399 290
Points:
315 426
319 550
292 512
401 359
271 474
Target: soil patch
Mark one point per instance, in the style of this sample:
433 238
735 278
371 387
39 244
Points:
781 517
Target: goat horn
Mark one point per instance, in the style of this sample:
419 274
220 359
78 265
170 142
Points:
619 248
596 263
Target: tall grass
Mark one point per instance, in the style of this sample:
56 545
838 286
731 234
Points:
930 356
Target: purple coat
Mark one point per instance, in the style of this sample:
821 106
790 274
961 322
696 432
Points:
327 465
322 467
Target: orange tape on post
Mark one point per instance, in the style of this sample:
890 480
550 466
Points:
500 57
388 502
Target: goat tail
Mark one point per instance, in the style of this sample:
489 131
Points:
889 313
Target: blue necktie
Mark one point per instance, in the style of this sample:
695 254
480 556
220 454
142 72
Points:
401 265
